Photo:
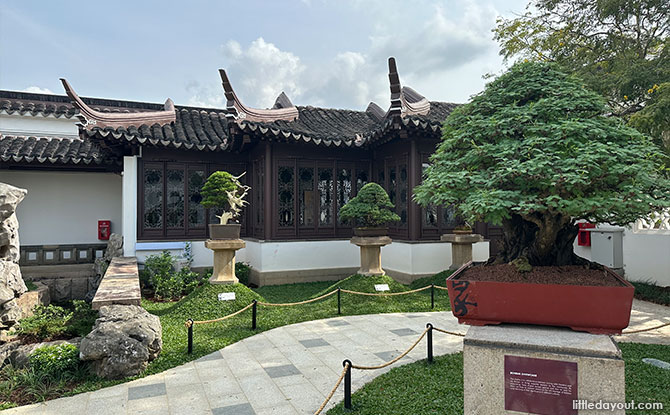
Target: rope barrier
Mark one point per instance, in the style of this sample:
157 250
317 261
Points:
396 359
449 332
299 302
643 330
386 294
439 287
220 318
332 391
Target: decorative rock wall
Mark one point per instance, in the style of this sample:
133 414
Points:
11 283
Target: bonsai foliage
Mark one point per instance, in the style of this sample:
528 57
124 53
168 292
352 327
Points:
536 152
223 190
370 207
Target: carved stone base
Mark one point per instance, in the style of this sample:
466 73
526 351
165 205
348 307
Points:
371 257
461 247
224 259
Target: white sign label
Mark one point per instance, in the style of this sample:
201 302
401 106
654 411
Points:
381 287
226 296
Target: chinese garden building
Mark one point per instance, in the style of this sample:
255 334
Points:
141 166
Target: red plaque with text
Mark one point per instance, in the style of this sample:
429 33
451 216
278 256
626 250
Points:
540 386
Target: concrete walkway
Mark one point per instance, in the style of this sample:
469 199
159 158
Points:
290 369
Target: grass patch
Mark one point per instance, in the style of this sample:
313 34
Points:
420 388
649 291
203 304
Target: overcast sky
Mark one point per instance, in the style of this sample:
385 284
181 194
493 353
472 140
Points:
322 53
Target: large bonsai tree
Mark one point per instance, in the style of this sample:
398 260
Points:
371 207
536 151
225 191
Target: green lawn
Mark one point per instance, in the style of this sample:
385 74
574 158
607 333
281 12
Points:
420 388
651 292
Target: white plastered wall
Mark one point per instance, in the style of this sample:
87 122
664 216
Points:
64 207
646 256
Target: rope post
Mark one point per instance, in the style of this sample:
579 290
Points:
430 342
189 323
432 296
347 384
253 315
339 304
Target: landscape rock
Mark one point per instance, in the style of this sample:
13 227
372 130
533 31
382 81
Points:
114 248
10 197
18 354
60 289
10 314
124 339
11 283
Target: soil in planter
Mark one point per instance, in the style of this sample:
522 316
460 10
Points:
564 275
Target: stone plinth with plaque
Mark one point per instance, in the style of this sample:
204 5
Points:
512 369
224 259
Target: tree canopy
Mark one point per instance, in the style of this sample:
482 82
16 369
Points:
618 47
535 152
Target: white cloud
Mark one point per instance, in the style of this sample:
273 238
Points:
451 42
262 71
38 90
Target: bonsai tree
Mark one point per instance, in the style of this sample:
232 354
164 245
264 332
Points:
223 190
371 207
536 152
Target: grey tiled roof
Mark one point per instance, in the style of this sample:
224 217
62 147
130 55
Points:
204 129
54 150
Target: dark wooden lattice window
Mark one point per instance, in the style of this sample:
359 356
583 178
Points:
257 190
285 180
403 198
196 212
306 198
325 185
152 216
344 188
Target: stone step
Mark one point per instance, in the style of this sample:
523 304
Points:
120 284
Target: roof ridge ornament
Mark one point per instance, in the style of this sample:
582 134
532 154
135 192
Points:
404 100
375 111
237 111
90 118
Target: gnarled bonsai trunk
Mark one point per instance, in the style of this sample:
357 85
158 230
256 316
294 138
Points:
542 238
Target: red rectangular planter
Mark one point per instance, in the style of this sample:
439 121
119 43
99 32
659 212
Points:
598 310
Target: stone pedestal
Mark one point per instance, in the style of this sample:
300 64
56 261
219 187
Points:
224 259
371 256
531 367
461 247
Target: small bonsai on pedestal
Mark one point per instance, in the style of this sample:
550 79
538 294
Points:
225 191
370 210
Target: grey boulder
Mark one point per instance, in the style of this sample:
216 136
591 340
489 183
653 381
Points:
124 339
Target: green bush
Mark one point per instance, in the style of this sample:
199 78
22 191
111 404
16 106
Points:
55 360
46 323
371 207
82 319
166 282
242 271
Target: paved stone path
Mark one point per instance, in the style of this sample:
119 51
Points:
290 369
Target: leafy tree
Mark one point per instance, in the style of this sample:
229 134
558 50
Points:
370 207
225 191
536 152
618 47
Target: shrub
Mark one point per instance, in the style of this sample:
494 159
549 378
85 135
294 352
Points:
46 323
242 272
55 360
82 319
166 282
371 207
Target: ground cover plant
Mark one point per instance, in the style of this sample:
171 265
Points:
51 322
648 291
437 388
162 279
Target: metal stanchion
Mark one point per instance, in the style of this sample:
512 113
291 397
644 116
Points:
190 336
253 315
339 304
347 385
430 342
432 296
